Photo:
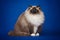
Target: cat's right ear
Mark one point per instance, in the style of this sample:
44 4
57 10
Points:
30 5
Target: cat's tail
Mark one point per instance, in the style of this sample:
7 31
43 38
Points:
11 33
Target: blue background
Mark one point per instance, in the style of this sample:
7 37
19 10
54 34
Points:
11 9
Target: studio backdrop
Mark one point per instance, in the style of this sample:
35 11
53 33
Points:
11 9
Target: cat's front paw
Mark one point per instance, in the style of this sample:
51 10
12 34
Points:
33 34
37 34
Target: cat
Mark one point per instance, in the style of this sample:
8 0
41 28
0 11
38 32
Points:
29 23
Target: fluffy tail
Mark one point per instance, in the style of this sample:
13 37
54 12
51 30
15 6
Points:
11 33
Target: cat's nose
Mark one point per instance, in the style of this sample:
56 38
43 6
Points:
34 10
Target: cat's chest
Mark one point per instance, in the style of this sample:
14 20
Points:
35 20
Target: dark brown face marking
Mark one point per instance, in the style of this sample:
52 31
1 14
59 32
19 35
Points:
34 10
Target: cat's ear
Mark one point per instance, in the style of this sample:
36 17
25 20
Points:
39 7
30 5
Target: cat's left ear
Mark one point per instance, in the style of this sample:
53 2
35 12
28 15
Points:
39 6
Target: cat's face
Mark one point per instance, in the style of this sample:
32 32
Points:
34 9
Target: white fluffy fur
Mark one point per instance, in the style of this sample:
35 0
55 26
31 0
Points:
37 34
33 34
36 20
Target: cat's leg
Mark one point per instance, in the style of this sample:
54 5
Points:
39 30
34 31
